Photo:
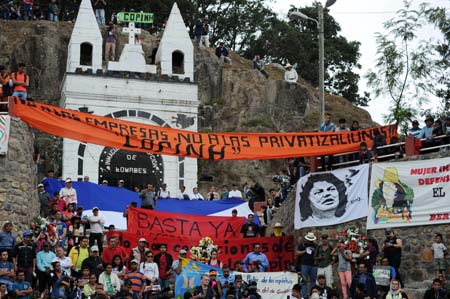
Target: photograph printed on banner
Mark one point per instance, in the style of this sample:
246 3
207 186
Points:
330 198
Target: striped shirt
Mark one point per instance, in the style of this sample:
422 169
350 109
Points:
137 280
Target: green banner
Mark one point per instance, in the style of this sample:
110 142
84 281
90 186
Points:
136 17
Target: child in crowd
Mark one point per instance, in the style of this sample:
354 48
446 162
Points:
439 250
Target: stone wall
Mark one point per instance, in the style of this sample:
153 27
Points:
416 267
19 201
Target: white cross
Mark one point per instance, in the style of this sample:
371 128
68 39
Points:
132 31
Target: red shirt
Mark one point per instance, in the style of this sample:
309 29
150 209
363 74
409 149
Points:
162 266
109 253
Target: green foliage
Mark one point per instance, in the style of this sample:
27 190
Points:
297 43
402 72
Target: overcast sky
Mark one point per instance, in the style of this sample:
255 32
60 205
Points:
359 20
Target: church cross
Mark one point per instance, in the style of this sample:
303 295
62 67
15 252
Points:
132 31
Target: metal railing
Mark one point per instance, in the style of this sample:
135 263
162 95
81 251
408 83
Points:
390 156
4 104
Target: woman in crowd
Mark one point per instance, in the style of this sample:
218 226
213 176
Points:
91 289
344 267
150 269
395 291
213 261
118 267
371 254
76 231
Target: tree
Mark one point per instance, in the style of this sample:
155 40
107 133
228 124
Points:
297 43
441 19
402 71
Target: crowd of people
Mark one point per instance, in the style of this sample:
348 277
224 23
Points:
318 260
433 134
29 10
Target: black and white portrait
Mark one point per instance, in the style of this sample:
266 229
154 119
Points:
329 198
323 196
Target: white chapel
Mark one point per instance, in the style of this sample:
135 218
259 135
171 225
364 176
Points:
131 90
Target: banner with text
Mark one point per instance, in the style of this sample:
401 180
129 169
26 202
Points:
5 121
330 198
270 285
409 193
149 222
279 250
140 137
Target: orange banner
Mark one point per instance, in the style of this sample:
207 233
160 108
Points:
140 137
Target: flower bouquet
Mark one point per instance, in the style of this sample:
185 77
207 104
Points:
38 224
202 252
352 239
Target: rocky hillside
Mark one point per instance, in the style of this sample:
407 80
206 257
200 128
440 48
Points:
231 97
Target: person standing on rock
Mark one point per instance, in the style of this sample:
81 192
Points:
111 39
99 7
21 81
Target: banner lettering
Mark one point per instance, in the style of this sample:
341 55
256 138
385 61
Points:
409 193
150 222
139 137
279 250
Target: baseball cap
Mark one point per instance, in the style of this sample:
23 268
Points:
121 181
104 182
68 180
40 185
182 251
94 248
142 240
135 261
27 234
389 230
94 208
212 272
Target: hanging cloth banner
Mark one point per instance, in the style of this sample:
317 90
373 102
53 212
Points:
139 137
330 198
4 133
411 193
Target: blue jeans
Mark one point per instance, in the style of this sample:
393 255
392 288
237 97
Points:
20 94
27 11
53 17
310 274
100 15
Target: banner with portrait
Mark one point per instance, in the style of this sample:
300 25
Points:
5 121
409 193
329 198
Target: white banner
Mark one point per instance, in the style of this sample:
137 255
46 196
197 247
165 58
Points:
4 133
409 193
272 285
329 198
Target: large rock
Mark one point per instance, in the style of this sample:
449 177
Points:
19 201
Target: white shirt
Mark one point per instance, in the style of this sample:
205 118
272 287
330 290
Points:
66 264
163 194
150 270
234 193
438 250
69 195
196 196
291 76
96 223
115 281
